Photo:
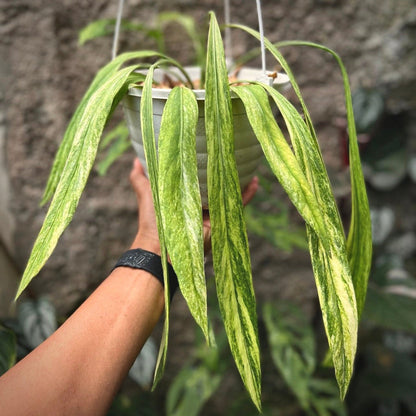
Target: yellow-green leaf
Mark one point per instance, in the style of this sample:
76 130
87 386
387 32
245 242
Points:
76 169
62 154
279 154
359 241
149 145
181 200
229 240
326 241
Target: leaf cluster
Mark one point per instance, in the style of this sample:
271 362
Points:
340 264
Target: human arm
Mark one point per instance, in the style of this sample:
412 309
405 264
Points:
79 369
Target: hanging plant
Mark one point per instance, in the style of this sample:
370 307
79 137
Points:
341 265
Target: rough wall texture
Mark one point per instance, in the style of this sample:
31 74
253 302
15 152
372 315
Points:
44 74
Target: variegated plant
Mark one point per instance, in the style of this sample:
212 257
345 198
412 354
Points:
341 265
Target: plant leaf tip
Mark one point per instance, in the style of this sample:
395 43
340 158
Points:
19 291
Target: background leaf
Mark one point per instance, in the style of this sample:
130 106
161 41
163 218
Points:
105 27
292 346
190 391
143 368
37 319
188 23
7 349
113 145
389 310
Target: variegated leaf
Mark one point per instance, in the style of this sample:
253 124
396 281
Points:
331 267
279 154
62 154
359 243
149 145
181 200
229 240
78 164
359 246
328 250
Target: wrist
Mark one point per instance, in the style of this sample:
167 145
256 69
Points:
139 258
146 243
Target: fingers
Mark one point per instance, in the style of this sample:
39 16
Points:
147 223
141 184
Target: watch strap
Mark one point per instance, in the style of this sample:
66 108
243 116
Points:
145 260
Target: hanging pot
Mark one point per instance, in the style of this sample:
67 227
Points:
248 152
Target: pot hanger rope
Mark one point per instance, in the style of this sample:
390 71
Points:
227 34
117 28
228 43
261 30
227 37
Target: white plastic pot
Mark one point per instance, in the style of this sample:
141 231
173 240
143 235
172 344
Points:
248 152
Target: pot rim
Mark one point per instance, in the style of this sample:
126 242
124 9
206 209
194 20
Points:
281 82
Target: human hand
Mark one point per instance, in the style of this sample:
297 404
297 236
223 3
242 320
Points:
147 236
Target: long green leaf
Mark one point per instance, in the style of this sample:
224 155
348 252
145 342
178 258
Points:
359 242
331 267
328 251
78 165
229 240
181 199
96 29
279 155
65 147
149 146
